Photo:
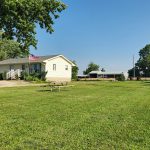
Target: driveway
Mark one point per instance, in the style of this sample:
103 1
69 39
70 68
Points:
14 83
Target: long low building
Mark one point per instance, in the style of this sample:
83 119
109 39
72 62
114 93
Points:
100 74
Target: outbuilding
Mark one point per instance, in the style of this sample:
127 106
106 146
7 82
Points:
100 74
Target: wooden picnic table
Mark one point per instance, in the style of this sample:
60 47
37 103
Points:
57 86
53 87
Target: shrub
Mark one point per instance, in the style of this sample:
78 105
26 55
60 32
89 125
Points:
16 76
1 76
120 78
29 78
23 75
4 74
35 76
43 75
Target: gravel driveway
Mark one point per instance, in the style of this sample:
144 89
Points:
14 83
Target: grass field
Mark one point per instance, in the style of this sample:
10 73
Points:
90 116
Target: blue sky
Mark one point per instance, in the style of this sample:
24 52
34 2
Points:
107 32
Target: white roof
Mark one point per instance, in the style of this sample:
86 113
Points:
107 73
82 75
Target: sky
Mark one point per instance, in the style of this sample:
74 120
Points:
106 32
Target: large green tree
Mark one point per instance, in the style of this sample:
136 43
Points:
10 49
144 61
91 67
142 67
137 72
18 19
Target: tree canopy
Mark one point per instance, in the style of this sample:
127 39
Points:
103 70
91 67
142 67
144 61
131 72
10 49
18 19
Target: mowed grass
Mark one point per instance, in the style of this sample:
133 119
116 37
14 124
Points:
90 116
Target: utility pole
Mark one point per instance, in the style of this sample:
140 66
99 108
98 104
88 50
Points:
133 68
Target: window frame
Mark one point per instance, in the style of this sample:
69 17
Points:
66 67
54 67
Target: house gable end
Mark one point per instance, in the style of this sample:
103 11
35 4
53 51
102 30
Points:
72 64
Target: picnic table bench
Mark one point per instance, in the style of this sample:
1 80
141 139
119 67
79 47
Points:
57 86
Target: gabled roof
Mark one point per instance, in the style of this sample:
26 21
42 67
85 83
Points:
26 60
64 59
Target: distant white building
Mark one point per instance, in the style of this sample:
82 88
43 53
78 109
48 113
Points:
100 74
58 67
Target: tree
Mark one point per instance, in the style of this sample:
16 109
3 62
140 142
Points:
75 70
91 67
18 19
137 72
103 70
10 49
142 67
120 77
144 61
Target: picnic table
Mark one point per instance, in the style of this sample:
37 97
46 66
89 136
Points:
58 86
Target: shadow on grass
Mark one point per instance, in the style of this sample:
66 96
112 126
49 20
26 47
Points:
54 90
44 90
146 83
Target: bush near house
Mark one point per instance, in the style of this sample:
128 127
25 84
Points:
41 76
36 76
120 77
3 76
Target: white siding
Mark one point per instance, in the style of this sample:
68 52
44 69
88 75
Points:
60 74
4 68
18 66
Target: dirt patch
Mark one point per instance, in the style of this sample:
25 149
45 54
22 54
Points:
14 83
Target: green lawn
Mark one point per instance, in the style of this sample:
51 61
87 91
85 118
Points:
90 115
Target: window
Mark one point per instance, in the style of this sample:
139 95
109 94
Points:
66 67
12 67
35 68
54 67
23 67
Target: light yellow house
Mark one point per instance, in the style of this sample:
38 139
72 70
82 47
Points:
58 67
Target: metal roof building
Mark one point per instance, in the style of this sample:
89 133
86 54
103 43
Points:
100 74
